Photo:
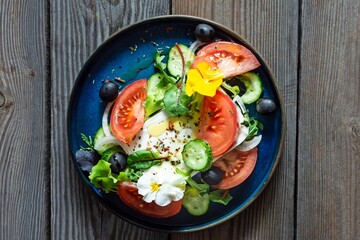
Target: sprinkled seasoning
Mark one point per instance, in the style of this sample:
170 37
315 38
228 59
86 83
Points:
155 44
119 79
171 125
133 48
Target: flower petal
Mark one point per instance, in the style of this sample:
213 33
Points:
204 80
149 197
167 194
193 78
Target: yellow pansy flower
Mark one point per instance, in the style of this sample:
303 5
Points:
203 79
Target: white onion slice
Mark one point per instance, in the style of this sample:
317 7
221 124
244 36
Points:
105 119
238 102
248 145
111 139
158 117
195 45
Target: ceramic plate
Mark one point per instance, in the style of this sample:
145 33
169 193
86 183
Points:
129 54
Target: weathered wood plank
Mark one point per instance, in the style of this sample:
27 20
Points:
329 121
23 121
77 28
272 28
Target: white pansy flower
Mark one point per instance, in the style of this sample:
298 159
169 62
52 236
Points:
161 184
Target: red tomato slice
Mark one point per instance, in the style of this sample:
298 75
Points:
218 122
128 193
128 114
237 166
231 58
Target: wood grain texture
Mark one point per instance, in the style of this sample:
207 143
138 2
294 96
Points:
23 121
329 121
272 28
77 28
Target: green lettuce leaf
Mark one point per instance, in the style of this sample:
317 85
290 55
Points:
101 177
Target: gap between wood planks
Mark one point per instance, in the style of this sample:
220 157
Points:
299 43
48 111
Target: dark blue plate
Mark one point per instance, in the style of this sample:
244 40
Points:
129 54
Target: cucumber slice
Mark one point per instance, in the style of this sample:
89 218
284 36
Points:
195 203
197 155
156 89
107 154
175 65
253 86
100 135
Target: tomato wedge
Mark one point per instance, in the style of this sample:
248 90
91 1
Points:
128 114
128 193
237 166
231 58
218 122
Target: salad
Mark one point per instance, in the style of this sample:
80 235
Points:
183 137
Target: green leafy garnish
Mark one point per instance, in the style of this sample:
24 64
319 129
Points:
176 101
88 140
220 196
102 177
254 126
217 196
183 173
130 175
161 66
195 104
200 187
235 90
144 159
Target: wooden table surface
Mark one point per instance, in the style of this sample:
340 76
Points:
312 47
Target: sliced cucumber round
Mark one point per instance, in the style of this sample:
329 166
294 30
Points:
197 155
253 86
195 203
99 135
175 62
156 89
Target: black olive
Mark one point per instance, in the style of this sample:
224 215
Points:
87 159
197 178
204 32
118 162
213 176
109 91
265 106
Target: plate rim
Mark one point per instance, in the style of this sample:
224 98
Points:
273 83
